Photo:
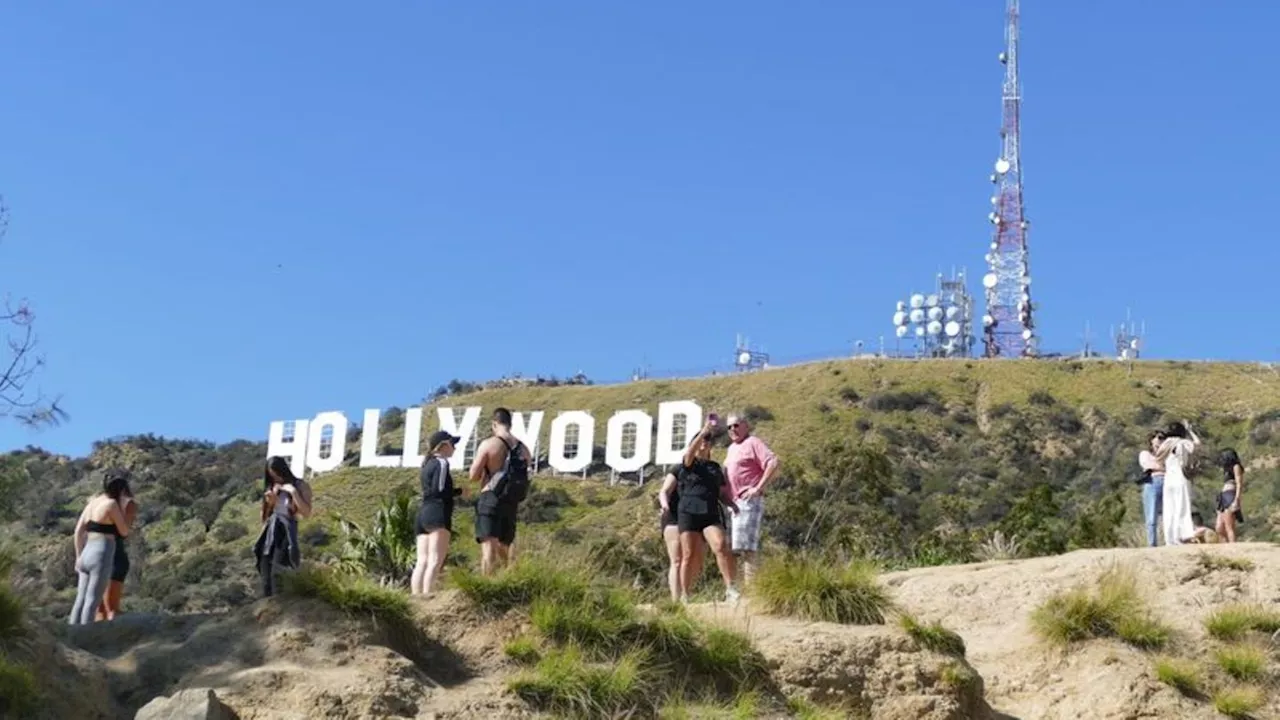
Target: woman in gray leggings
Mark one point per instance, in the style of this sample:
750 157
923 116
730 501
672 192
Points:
101 522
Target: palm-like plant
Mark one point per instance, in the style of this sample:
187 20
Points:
387 550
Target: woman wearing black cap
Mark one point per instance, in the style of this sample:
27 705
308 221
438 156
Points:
435 519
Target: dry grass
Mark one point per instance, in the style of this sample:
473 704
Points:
1181 674
933 636
1239 703
1234 622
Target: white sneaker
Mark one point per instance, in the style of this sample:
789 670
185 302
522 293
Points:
684 599
732 596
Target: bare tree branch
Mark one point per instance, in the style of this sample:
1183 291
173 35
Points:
30 409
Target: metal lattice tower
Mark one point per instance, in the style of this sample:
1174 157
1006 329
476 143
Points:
1008 327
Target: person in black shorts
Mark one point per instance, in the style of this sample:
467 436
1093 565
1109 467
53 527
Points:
110 605
701 488
434 526
495 518
668 502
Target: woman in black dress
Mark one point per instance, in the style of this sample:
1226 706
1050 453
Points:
435 518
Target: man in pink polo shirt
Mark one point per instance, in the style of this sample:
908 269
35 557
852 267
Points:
749 465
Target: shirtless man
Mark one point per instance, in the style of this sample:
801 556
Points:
495 518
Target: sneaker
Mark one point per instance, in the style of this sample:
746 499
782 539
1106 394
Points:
732 596
684 599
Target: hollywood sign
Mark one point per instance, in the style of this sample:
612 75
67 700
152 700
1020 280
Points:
320 443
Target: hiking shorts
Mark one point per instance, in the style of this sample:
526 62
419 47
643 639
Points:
697 523
745 526
495 520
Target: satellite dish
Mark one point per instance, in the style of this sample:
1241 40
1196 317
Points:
917 316
994 200
901 306
899 318
1003 58
919 332
994 178
902 330
1026 334
988 321
989 280
931 301
1002 166
953 328
1026 280
1134 343
935 313
935 327
917 301
744 358
995 245
952 312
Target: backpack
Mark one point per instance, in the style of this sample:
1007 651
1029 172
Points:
513 483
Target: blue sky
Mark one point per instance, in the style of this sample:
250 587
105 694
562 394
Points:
229 213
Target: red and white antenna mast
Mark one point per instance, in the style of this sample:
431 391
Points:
1008 327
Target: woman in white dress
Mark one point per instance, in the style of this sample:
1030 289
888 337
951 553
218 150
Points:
1175 452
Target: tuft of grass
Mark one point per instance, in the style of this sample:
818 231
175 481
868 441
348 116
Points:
523 650
12 615
804 587
1213 561
1242 662
1233 622
564 682
18 693
804 709
958 676
1239 702
350 593
529 580
933 636
1180 674
1113 609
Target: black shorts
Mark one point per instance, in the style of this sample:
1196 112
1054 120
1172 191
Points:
668 519
120 563
495 519
434 516
699 522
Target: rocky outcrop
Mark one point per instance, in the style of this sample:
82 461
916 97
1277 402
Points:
186 705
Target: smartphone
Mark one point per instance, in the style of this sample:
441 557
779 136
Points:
714 419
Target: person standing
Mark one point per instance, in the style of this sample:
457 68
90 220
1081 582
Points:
501 468
1229 512
100 526
701 488
435 518
750 466
1152 486
284 500
110 606
1176 452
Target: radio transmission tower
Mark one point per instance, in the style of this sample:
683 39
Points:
1008 328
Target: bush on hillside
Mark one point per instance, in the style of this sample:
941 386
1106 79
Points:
756 414
807 587
905 401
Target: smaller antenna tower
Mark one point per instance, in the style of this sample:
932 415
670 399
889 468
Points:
1129 338
745 359
940 324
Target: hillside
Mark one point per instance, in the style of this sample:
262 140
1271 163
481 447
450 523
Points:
905 464
1043 451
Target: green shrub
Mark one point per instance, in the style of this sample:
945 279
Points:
1240 702
1233 622
18 693
1242 662
1180 674
388 549
958 676
350 593
808 588
12 614
520 585
1113 609
933 636
564 682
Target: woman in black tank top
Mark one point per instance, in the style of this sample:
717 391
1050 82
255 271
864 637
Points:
435 517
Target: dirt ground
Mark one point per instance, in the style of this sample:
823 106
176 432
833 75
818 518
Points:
287 660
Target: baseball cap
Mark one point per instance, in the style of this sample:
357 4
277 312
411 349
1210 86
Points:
440 436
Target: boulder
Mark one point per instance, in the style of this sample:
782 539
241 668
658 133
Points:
199 704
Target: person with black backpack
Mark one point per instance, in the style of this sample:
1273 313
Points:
501 468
